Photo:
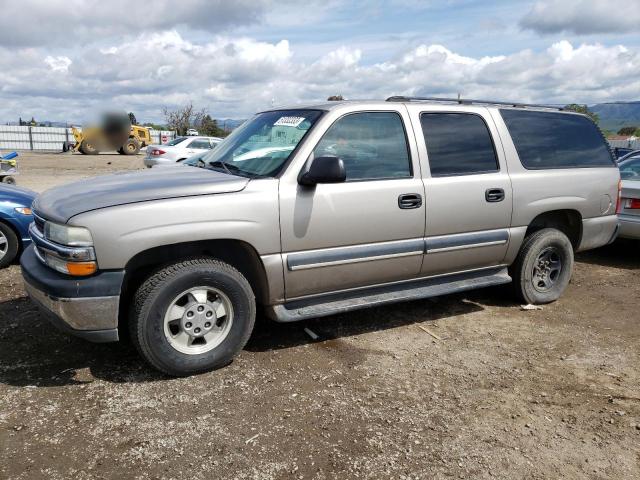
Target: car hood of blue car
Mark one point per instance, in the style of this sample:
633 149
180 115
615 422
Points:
16 196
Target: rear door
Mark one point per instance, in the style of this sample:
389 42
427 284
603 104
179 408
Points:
468 190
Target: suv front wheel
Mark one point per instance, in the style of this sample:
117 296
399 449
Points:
192 316
543 267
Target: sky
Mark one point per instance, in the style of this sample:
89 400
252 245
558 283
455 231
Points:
63 60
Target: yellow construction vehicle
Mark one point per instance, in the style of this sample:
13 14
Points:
115 133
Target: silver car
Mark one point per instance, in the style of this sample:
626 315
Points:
629 209
178 149
314 210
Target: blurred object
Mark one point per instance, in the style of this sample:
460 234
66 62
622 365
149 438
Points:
8 168
115 132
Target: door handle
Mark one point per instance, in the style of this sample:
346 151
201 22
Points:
409 200
494 195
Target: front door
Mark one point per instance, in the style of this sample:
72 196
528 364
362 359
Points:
468 190
367 230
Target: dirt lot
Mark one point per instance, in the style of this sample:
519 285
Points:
496 392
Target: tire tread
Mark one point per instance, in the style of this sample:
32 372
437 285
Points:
517 269
147 291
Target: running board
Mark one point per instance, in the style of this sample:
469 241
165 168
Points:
332 304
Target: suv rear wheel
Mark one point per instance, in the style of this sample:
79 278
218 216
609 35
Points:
543 267
192 316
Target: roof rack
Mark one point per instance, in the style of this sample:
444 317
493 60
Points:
465 101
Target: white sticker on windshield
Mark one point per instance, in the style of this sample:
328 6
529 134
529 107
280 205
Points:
289 121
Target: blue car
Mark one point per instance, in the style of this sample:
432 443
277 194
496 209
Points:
15 217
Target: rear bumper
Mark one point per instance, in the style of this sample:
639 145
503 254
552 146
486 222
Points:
630 226
598 231
150 162
85 307
153 161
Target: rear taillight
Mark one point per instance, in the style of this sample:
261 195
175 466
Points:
633 204
619 202
158 152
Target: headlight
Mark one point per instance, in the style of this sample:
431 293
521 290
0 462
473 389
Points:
66 235
67 249
23 210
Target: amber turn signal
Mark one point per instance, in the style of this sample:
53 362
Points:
81 269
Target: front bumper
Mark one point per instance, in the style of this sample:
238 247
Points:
630 226
85 307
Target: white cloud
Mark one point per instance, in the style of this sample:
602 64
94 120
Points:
61 22
583 17
58 64
234 77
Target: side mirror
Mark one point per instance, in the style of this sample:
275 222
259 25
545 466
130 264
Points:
324 170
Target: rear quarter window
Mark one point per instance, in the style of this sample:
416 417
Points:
546 140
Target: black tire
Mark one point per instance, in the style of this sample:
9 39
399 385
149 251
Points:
88 148
540 253
121 151
12 245
8 179
155 297
131 147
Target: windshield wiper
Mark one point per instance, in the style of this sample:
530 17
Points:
232 169
220 163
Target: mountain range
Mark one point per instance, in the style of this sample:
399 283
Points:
614 116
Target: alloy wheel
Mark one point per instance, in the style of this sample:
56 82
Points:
198 320
4 245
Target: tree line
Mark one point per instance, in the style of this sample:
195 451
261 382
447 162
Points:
183 118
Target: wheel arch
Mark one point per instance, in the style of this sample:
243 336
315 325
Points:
239 254
568 221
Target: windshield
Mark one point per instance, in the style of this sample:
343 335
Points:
176 141
630 169
262 145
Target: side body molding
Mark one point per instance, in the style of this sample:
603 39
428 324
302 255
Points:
402 248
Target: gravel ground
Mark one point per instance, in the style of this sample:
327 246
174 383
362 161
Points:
462 386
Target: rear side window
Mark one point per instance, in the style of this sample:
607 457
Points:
556 140
176 141
372 145
200 143
458 144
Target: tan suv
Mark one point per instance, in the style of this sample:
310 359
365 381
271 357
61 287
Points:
314 210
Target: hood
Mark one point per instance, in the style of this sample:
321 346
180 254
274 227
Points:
61 203
17 195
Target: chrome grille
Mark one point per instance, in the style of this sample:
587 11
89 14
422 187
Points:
39 222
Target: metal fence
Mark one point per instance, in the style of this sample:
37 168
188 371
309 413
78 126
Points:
52 138
633 144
